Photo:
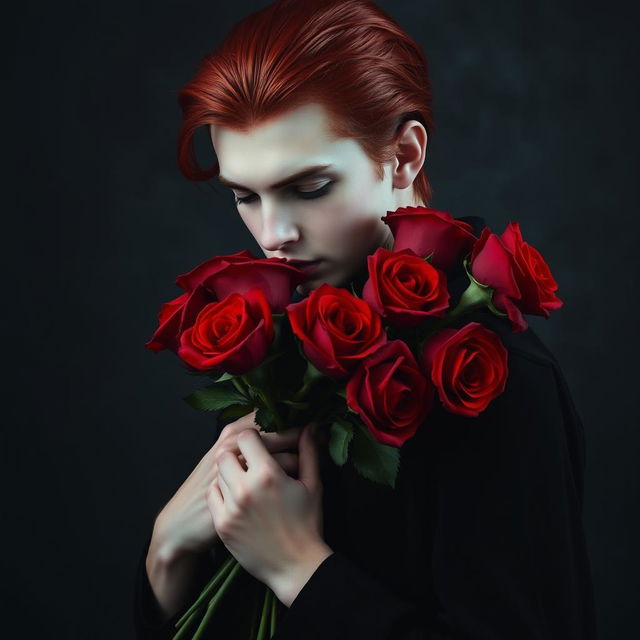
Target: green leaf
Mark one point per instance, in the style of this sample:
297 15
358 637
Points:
261 376
214 398
265 419
341 436
236 411
373 460
225 376
297 405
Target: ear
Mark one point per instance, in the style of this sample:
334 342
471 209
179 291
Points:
411 150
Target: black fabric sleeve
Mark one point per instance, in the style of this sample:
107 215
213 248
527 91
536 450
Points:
508 558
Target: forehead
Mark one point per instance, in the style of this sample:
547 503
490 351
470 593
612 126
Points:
279 146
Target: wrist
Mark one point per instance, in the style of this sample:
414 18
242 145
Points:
167 547
170 576
288 583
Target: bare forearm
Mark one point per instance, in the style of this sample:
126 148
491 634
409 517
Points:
171 574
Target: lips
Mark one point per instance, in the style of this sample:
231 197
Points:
308 267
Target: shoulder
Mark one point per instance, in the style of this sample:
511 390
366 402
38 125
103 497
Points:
535 383
533 387
533 423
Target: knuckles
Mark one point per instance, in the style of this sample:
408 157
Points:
266 479
244 498
246 434
222 454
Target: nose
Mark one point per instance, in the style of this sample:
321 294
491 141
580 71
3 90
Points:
278 226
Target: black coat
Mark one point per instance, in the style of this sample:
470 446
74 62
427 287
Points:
481 539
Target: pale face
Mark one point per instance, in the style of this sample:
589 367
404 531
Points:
332 215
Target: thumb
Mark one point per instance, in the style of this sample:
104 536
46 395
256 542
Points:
308 458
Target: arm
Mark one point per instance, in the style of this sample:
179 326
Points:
171 573
176 562
152 619
509 558
167 582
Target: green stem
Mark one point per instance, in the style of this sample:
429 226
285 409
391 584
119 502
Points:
293 416
220 575
190 621
274 614
214 602
239 387
311 377
472 298
262 630
302 392
272 407
254 617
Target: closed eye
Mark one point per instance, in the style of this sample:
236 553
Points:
303 195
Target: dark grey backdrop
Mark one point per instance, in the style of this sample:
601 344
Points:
536 114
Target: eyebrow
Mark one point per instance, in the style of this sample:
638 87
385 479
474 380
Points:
304 173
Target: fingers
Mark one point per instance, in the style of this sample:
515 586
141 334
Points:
230 476
273 442
253 449
308 458
288 462
281 441
215 499
243 422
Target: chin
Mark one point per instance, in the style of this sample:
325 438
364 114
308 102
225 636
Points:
307 287
311 284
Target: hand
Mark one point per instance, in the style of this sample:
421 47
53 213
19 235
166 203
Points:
185 524
271 524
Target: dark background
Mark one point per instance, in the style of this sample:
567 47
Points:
536 115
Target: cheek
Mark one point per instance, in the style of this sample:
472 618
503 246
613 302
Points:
349 227
357 221
252 223
353 211
329 227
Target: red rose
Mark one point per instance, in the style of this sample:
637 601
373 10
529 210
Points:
239 272
429 230
468 366
520 277
175 316
390 393
232 335
404 288
215 279
337 330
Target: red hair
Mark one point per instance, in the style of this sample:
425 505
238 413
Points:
347 55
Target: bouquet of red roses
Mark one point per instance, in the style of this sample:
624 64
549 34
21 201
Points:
367 365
